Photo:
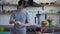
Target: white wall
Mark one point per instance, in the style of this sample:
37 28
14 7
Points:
32 11
4 19
35 9
10 7
12 1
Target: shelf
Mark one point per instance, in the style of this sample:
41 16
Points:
37 6
9 5
51 13
5 13
41 14
50 4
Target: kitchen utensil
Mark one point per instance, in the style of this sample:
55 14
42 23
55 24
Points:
37 18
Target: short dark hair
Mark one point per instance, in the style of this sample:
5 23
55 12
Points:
21 2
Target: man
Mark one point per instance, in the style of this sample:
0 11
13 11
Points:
20 19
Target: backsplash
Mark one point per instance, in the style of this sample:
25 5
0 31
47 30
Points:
32 13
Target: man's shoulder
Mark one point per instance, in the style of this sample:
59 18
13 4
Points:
26 12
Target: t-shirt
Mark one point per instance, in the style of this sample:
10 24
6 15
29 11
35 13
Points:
21 16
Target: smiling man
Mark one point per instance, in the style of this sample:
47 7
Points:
20 18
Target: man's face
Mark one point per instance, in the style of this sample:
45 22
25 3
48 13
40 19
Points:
21 7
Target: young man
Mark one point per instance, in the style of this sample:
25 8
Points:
20 19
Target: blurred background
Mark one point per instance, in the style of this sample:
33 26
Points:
45 8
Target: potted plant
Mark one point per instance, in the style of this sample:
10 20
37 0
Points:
50 21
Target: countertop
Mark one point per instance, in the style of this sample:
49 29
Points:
31 26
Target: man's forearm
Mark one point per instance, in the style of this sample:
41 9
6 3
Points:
12 21
26 25
19 23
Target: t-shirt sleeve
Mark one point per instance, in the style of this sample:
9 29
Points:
12 16
27 18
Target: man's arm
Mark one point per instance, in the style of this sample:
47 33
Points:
11 21
27 20
27 24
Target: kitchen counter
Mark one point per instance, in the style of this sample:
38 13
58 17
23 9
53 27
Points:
48 29
31 26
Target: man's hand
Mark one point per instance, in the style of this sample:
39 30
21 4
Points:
19 23
27 24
